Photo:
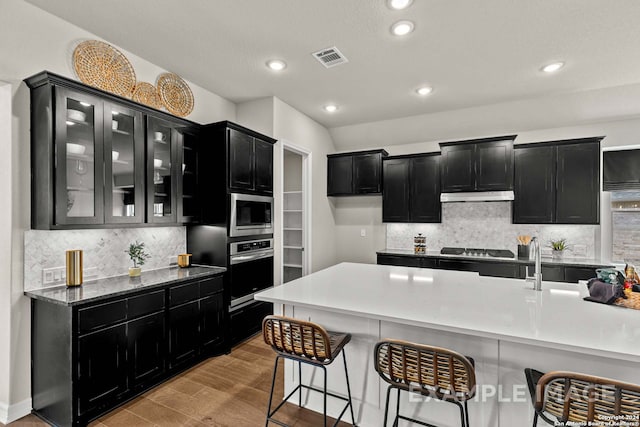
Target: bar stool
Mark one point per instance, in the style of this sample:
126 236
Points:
580 399
431 371
310 343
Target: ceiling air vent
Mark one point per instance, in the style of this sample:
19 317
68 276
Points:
330 57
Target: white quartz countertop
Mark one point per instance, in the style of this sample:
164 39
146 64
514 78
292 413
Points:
464 302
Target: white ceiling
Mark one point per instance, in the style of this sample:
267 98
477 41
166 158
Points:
473 52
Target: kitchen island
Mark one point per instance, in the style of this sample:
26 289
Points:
502 323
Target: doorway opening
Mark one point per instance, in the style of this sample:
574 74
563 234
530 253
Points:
296 212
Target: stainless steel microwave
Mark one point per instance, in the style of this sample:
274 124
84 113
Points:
250 215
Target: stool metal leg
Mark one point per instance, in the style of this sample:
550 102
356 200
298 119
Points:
395 422
462 421
466 413
535 419
346 374
300 383
325 395
386 406
273 382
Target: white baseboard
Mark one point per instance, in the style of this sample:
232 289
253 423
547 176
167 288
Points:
9 414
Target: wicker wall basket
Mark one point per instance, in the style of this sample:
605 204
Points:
175 94
147 94
101 65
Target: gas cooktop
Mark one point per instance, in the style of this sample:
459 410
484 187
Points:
475 252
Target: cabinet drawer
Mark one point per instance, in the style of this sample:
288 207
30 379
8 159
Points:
98 316
405 261
211 286
183 293
147 303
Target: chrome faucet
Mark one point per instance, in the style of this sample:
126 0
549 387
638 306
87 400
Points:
537 274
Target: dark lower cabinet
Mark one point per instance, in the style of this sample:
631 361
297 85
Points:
247 320
512 270
183 333
146 349
91 357
102 370
212 320
408 261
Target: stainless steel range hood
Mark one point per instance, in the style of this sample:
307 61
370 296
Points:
477 196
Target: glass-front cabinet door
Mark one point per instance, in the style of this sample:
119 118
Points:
188 206
79 158
161 171
124 165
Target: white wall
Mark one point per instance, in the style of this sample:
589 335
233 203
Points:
292 171
5 241
31 41
302 131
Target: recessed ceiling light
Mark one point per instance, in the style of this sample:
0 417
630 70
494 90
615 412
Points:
552 68
399 4
331 108
276 65
424 90
402 28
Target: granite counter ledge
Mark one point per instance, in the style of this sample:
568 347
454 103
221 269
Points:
99 289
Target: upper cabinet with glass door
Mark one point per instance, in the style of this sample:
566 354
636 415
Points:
162 174
124 165
91 164
79 165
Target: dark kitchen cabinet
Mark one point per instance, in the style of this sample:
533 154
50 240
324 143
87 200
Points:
534 189
408 261
91 357
183 333
233 159
102 370
250 163
162 171
578 183
557 182
515 269
196 319
189 194
90 158
247 320
146 349
340 175
263 166
355 173
412 189
477 165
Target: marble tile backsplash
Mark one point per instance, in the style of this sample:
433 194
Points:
488 225
626 237
104 249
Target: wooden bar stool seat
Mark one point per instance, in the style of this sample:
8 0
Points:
305 342
431 371
564 398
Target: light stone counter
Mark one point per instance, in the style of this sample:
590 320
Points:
502 323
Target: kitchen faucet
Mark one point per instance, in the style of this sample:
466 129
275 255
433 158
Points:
537 274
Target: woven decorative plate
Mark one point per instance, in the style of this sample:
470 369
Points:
147 94
103 66
175 94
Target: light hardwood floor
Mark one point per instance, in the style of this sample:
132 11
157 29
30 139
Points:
230 390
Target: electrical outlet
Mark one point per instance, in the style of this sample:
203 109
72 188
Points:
47 275
363 232
53 275
172 260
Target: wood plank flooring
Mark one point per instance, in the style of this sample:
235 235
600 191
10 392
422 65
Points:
230 390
